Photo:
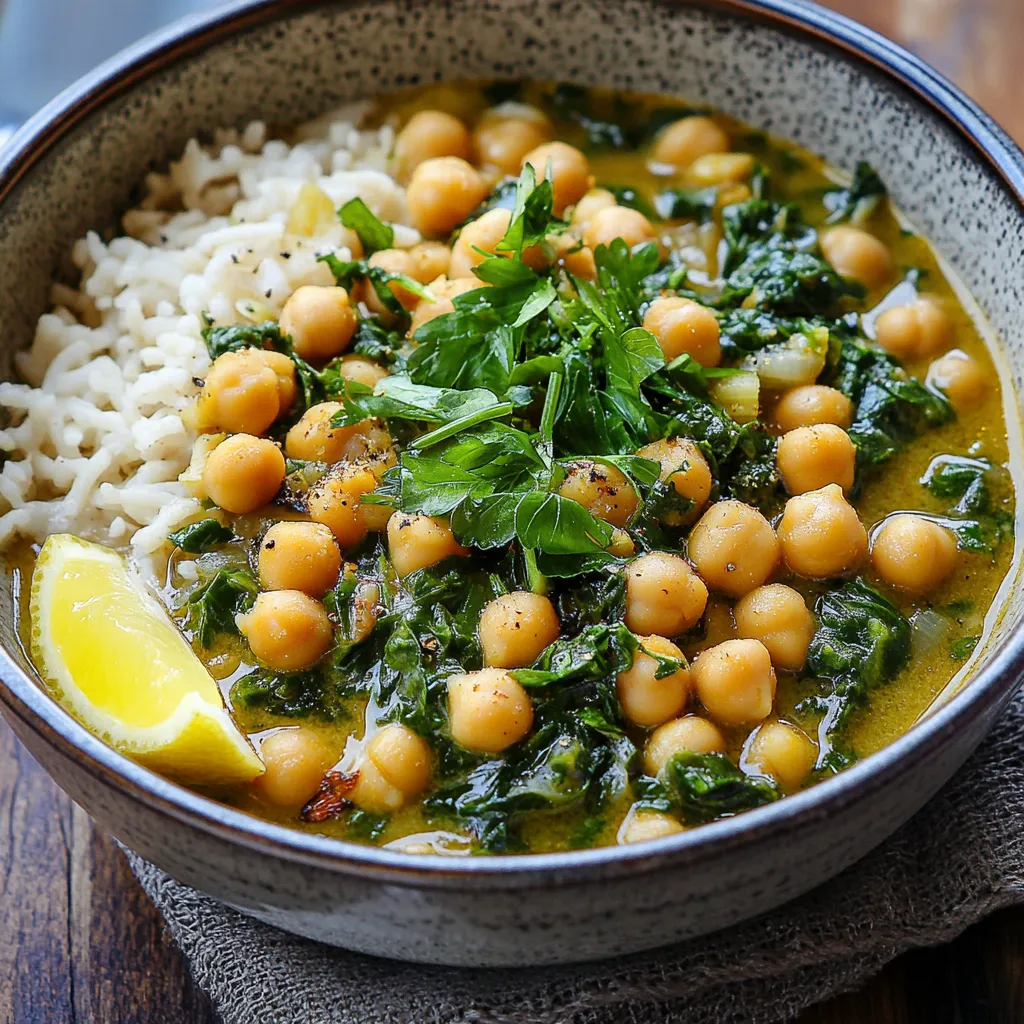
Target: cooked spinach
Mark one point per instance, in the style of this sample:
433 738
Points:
858 201
862 642
204 535
212 607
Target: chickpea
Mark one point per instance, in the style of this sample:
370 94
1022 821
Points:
362 370
241 394
913 553
284 368
395 767
682 463
858 255
427 135
295 760
243 473
335 500
811 404
442 193
570 172
485 233
777 616
960 378
391 261
604 491
429 261
921 328
320 321
515 628
575 257
313 439
443 291
733 547
720 169
642 825
684 141
592 203
287 630
811 457
504 135
414 542
365 602
645 699
663 595
735 681
783 751
681 325
488 710
299 556
691 733
821 534
618 222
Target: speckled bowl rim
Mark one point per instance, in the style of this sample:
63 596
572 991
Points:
993 685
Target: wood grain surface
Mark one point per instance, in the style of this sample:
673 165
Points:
81 944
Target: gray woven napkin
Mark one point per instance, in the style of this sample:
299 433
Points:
959 859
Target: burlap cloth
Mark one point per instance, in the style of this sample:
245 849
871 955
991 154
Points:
956 861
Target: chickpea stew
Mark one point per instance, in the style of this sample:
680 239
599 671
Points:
649 472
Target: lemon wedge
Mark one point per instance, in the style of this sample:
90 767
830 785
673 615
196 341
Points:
113 658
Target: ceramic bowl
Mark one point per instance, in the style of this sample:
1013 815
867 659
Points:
787 67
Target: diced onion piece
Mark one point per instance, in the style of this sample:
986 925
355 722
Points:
192 477
253 311
312 212
799 361
928 629
738 394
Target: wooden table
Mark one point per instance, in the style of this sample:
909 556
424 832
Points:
80 942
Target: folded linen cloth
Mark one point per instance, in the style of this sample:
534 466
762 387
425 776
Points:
956 861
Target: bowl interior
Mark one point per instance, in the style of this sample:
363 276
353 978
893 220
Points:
285 67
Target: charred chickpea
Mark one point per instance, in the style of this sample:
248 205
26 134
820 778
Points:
415 541
777 616
427 135
960 378
733 548
811 404
299 556
784 752
919 329
913 553
647 700
856 254
686 140
488 710
505 134
618 222
515 628
691 733
443 192
821 535
320 321
394 768
569 168
663 595
287 630
592 203
735 681
811 457
642 825
682 463
335 500
604 491
243 473
681 325
362 370
295 761
241 393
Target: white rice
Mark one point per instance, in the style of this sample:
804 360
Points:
96 441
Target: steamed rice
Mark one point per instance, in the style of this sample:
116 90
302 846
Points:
97 441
